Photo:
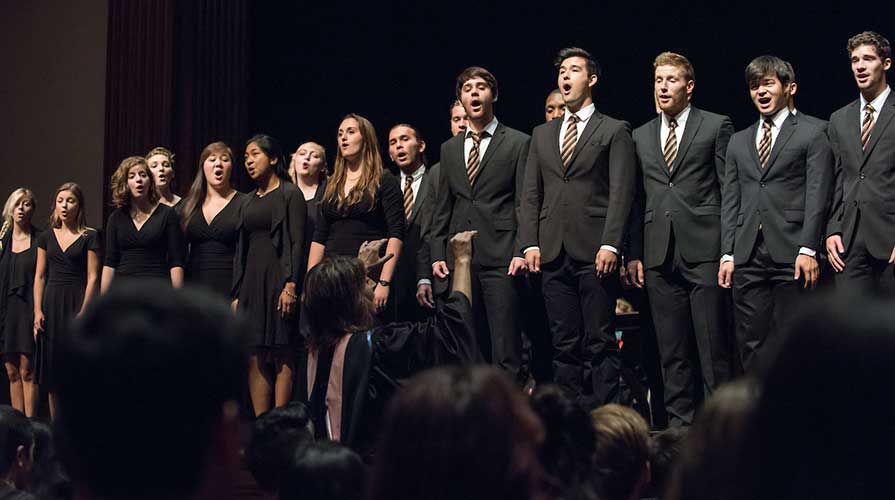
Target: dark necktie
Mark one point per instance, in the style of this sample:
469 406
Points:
867 126
670 149
408 196
473 161
569 141
764 147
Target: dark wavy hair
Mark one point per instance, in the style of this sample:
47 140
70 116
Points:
336 301
274 152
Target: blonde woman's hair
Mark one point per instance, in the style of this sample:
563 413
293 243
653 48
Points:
9 206
75 190
371 170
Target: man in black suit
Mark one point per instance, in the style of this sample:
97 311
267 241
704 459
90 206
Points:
480 184
861 229
426 290
778 178
579 185
675 237
406 148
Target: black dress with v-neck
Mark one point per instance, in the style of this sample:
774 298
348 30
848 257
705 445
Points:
212 246
149 252
18 287
64 292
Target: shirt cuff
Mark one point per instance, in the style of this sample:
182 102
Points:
726 258
424 281
807 251
610 248
530 248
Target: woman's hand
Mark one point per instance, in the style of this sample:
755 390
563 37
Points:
287 301
380 297
38 322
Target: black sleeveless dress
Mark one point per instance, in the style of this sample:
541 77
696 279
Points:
212 246
262 282
18 322
63 293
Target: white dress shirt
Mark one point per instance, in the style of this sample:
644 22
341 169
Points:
483 142
877 104
583 115
681 119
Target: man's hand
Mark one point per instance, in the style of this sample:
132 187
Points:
440 269
835 249
461 247
634 275
605 262
725 274
807 266
424 296
533 259
517 266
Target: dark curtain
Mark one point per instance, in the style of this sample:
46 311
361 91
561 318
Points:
176 77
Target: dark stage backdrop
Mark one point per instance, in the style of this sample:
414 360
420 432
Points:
395 61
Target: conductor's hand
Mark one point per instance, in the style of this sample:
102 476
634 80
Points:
369 253
606 262
533 259
461 247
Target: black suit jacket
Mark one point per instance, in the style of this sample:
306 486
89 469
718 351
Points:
865 180
788 198
687 197
410 268
586 206
822 124
490 206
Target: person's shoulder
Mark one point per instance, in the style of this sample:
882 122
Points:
546 127
610 123
840 113
716 119
513 133
645 128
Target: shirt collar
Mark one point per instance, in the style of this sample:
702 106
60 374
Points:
415 175
681 117
878 102
583 114
778 118
490 128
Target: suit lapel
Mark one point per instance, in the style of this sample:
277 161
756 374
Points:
693 123
593 124
786 131
853 139
750 145
420 196
885 116
557 128
496 140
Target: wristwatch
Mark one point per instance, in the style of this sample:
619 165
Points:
385 282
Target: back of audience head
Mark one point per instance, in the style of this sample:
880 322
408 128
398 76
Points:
824 426
711 459
147 387
569 440
324 471
276 435
459 432
47 480
17 446
665 447
622 452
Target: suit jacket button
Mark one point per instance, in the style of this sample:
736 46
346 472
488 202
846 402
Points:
667 213
856 202
863 176
671 184
565 179
762 184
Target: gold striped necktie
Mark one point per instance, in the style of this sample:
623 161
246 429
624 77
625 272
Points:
764 147
472 162
569 141
670 149
408 196
867 126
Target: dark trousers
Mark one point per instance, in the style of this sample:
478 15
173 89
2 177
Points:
581 310
537 348
496 301
765 298
689 312
865 274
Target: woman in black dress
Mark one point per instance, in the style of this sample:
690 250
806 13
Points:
143 237
210 218
268 271
161 164
362 203
308 171
18 255
66 277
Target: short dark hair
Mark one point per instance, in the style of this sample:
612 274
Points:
476 72
768 65
874 39
15 431
274 151
276 436
792 71
136 343
334 300
454 105
593 67
324 471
